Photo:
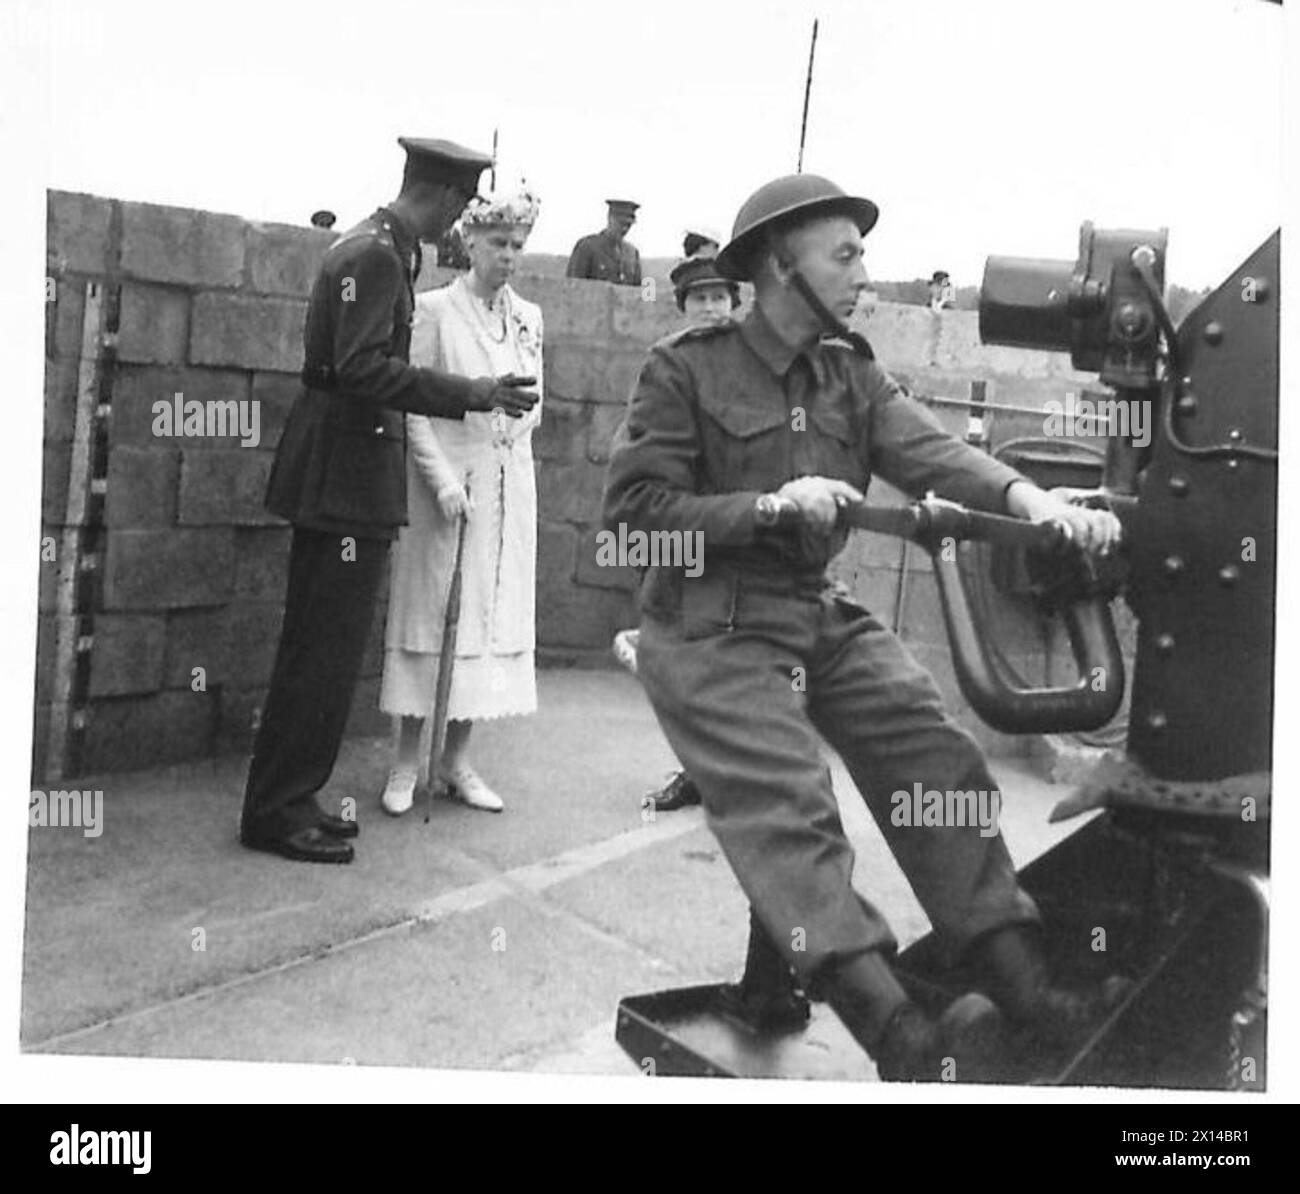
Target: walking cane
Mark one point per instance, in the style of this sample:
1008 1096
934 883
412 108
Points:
446 663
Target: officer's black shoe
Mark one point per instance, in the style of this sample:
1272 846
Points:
678 792
337 826
765 1011
966 1044
311 844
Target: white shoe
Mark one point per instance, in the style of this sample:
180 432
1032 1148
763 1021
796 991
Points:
468 787
399 795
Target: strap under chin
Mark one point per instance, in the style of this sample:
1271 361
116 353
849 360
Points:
829 322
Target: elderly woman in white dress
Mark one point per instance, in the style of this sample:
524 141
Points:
480 468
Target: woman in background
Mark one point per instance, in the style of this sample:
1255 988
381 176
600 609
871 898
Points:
479 468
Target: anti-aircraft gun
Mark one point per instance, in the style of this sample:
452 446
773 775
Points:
1172 867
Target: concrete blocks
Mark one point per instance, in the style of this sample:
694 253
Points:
127 654
154 324
77 231
181 246
131 732
570 491
247 332
224 488
562 430
137 388
283 259
142 488
167 569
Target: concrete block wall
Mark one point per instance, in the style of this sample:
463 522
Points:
191 570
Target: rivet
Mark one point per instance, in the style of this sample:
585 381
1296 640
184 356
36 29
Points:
1187 404
1179 486
1173 565
1229 574
1165 644
1213 332
1157 720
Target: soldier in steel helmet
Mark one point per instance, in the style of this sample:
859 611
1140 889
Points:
732 426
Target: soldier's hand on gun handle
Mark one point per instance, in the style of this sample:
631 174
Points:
818 499
1097 532
512 394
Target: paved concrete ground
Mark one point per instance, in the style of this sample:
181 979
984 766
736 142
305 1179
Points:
474 941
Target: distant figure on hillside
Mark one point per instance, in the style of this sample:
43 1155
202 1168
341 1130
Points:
608 256
323 219
943 294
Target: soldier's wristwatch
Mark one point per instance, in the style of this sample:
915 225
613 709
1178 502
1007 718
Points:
767 509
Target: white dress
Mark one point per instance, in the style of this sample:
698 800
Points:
493 676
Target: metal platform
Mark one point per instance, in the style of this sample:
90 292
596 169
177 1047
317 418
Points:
1188 937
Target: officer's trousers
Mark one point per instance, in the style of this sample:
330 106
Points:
328 611
742 681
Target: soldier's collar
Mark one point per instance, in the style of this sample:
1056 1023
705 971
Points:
762 338
404 236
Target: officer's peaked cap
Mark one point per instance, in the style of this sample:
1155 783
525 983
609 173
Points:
436 160
794 195
625 207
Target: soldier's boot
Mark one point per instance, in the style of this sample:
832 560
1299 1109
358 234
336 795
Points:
1010 967
964 1044
768 997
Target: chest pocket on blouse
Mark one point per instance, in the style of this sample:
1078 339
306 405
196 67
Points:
835 445
745 446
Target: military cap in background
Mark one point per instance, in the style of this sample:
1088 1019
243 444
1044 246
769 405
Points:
700 271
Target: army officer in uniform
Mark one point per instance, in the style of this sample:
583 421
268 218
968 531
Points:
608 256
747 663
340 478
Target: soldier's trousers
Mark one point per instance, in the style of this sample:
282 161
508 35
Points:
742 682
328 611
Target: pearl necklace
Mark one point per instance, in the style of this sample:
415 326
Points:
483 311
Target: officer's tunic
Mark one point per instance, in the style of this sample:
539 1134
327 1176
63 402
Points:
340 477
748 662
601 257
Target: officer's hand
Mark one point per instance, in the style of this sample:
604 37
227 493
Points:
819 499
1095 531
453 501
509 393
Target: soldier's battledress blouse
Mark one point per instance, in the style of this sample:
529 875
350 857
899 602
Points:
457 331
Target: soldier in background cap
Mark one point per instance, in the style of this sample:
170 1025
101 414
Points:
340 478
608 256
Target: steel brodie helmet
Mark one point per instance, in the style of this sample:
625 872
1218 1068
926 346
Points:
792 196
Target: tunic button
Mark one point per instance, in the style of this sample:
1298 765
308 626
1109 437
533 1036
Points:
379 431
